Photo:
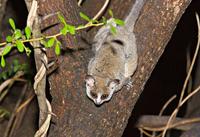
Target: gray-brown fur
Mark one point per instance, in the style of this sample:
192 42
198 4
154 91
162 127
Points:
115 58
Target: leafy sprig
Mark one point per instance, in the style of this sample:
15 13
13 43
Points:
12 69
18 38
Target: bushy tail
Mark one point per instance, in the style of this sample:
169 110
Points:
134 13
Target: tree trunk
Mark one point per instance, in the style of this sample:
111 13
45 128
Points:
77 116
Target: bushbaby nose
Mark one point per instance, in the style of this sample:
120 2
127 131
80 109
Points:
98 101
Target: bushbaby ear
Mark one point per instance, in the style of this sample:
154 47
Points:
113 83
89 79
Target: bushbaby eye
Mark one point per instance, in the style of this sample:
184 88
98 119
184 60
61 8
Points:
94 95
104 96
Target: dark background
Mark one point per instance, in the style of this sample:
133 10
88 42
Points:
169 74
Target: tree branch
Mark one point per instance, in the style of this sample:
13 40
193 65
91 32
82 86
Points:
77 115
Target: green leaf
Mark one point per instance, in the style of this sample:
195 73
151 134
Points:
16 68
15 62
12 23
20 46
7 49
119 22
113 29
3 63
72 29
110 12
4 75
9 38
104 21
68 28
94 21
28 51
50 42
25 68
43 42
64 30
17 34
28 32
10 71
16 65
85 17
62 19
4 113
57 48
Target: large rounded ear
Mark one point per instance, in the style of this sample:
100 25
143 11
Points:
113 83
89 79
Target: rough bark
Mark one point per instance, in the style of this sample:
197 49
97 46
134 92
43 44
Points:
77 116
2 8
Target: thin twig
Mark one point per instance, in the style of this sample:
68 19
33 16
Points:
40 77
186 80
12 118
177 125
192 63
8 81
8 84
190 95
101 10
142 131
19 116
99 13
163 109
45 126
80 2
24 104
166 104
